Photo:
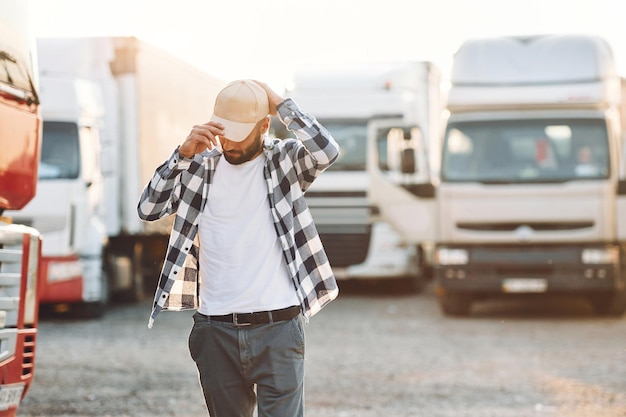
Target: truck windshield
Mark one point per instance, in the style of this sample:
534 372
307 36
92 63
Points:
351 136
60 152
523 151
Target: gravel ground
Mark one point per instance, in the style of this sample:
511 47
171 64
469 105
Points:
370 353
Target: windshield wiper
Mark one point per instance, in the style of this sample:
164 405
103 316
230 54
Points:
5 56
527 181
348 167
497 182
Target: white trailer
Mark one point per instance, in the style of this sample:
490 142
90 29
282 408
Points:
348 100
114 108
530 200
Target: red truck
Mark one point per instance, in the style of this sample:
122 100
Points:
20 246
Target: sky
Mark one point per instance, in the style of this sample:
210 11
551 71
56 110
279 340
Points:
270 39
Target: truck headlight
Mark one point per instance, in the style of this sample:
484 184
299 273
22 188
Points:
448 256
608 255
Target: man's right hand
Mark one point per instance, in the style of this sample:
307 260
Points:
200 138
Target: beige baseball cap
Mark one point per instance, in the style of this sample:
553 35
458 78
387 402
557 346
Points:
239 107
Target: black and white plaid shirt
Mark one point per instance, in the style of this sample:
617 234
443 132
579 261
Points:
180 186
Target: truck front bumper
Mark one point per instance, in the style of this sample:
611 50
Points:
519 269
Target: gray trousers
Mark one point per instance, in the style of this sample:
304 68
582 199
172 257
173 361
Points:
240 368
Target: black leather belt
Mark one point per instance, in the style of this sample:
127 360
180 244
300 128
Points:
260 317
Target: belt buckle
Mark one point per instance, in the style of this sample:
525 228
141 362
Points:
237 324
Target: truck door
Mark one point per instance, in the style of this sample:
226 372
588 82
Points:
621 211
401 186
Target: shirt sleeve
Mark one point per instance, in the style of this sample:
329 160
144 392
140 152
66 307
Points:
316 150
161 195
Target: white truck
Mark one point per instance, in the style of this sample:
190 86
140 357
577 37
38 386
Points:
348 100
113 109
530 198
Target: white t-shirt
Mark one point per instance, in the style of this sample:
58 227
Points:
242 268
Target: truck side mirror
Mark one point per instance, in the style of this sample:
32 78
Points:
382 147
407 161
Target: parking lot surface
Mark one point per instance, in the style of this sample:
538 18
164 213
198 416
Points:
370 353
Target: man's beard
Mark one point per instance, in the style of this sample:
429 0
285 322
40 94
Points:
238 157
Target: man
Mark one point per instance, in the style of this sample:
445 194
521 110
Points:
243 248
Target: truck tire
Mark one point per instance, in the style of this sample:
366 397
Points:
611 304
417 283
455 304
92 310
96 309
135 292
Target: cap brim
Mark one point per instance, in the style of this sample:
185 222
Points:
234 131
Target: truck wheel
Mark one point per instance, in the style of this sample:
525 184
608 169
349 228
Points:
455 304
423 274
609 304
96 309
417 283
135 293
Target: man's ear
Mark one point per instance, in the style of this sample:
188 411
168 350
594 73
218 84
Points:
265 127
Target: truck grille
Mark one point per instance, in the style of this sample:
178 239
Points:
345 249
10 275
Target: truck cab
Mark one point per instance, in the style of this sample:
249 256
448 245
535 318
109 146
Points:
350 101
68 208
527 199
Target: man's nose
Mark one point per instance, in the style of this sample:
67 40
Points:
226 144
